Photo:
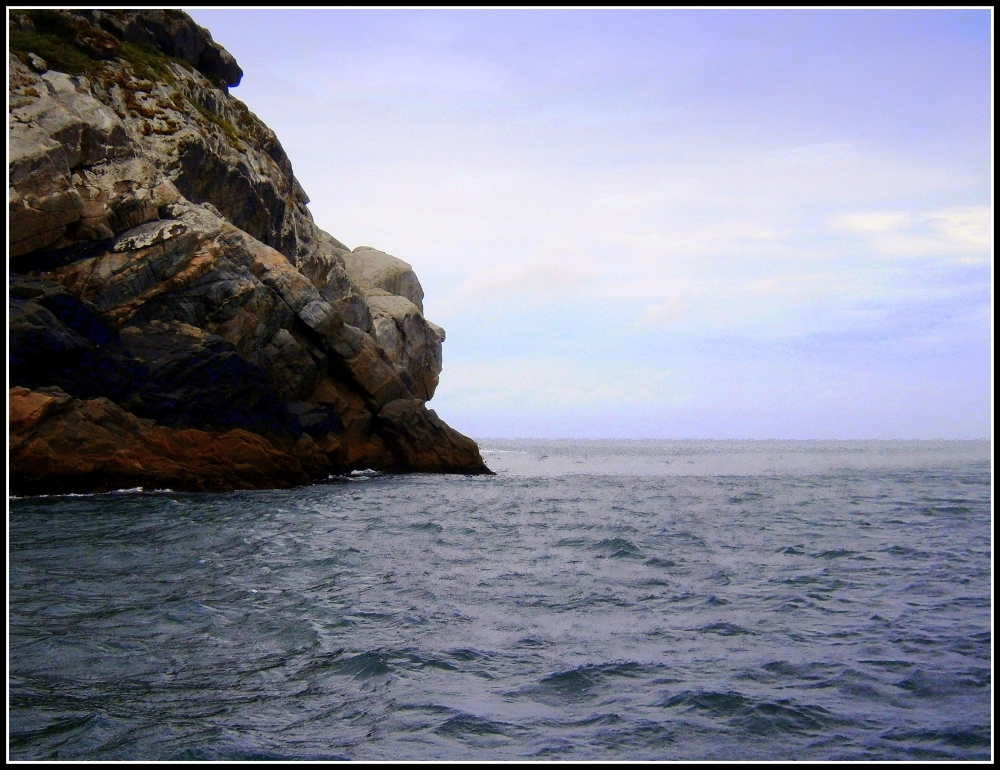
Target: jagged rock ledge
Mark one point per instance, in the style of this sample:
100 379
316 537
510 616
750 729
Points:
177 319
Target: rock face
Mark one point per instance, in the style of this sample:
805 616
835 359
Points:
168 279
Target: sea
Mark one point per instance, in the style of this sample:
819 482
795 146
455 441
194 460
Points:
594 600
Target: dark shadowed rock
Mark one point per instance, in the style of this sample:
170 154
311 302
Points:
56 339
422 442
198 379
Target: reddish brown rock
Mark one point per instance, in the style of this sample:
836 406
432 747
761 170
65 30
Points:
60 444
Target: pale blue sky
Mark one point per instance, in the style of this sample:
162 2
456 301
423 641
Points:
661 224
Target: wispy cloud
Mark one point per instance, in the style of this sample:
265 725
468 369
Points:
960 232
871 222
971 226
659 314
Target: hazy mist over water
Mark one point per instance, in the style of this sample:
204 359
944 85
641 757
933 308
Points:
594 600
637 457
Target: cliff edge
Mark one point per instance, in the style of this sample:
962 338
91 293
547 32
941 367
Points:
177 319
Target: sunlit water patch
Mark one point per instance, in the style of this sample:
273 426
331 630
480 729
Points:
594 600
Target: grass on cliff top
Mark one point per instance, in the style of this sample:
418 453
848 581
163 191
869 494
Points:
149 62
53 41
58 53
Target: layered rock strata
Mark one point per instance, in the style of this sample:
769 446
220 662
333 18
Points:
171 297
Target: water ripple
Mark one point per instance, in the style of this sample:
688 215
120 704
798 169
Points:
594 601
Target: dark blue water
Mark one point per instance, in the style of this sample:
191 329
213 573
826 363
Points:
595 600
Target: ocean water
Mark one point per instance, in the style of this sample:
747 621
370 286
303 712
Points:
594 600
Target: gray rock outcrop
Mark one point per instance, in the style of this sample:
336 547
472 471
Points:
158 236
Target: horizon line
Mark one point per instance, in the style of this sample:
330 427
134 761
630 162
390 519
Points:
571 438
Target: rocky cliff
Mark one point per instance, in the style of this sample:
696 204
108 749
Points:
177 319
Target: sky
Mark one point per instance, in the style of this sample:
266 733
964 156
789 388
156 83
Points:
710 224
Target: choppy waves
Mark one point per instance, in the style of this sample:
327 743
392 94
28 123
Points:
821 612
